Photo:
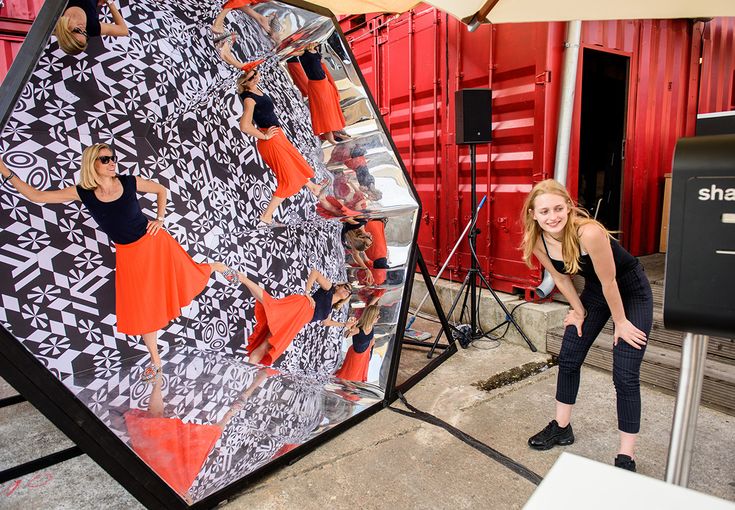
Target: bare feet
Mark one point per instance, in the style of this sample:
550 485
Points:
316 188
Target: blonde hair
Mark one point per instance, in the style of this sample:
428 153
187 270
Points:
368 318
577 218
67 42
358 239
88 176
341 302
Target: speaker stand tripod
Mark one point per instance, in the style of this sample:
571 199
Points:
469 285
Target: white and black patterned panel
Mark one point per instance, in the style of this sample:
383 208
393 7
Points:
166 103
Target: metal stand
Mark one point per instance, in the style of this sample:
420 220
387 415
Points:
469 285
683 429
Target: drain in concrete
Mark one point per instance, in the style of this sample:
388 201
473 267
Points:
515 374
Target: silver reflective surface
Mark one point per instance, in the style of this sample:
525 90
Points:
247 373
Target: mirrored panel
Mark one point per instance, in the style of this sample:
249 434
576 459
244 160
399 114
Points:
208 232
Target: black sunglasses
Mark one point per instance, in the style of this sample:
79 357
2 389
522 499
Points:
106 159
80 31
255 73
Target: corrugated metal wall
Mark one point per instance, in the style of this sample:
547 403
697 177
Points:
16 17
415 62
717 91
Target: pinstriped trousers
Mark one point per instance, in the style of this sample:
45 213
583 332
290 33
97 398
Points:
638 304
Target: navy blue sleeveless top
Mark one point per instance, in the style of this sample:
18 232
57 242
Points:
312 64
624 261
322 304
264 114
94 29
361 341
122 219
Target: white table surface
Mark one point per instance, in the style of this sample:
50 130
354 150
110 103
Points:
576 483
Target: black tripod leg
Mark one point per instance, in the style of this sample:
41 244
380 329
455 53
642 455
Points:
462 289
508 315
446 328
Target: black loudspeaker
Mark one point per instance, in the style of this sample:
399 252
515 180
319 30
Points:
473 115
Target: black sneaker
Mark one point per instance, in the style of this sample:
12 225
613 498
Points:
552 435
625 462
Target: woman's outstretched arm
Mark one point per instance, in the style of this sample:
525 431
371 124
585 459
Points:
60 196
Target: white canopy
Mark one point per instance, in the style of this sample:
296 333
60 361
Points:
513 11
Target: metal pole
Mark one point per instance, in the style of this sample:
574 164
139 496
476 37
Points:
473 235
566 106
684 427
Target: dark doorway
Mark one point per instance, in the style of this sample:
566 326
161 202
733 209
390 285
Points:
602 134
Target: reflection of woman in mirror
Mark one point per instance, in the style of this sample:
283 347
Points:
259 120
177 450
154 276
269 23
81 21
327 119
298 76
357 239
355 365
278 321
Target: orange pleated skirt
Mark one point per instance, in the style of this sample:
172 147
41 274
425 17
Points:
175 450
238 4
326 114
355 365
379 248
278 321
299 77
154 279
291 169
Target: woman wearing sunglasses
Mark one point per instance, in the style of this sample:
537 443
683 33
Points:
259 121
154 276
81 21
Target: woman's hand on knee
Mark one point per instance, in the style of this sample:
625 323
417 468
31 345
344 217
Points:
626 331
576 319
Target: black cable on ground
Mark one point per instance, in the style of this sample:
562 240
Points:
9 401
42 463
481 447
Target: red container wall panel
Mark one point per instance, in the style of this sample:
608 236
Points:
9 47
717 90
511 61
660 118
21 9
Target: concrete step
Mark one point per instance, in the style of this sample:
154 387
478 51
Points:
718 349
661 367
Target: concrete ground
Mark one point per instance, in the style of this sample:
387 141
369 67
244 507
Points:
391 461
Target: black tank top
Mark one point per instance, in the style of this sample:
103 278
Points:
361 341
264 114
312 64
322 304
122 219
94 29
624 261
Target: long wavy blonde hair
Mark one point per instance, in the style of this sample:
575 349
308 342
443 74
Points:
88 177
369 317
578 217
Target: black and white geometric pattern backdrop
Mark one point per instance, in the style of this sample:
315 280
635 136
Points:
166 102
